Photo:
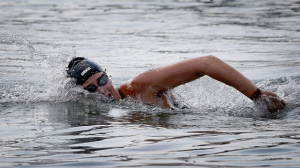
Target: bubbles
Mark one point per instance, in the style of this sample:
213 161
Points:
291 91
287 88
208 96
42 76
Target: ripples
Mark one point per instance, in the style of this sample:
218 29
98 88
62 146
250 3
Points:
53 142
72 133
45 122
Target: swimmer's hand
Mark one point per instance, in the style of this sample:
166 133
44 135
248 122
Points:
271 100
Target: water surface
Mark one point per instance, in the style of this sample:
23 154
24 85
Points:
47 122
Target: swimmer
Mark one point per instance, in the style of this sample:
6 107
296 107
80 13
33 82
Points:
152 87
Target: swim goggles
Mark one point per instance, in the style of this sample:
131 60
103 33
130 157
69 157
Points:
101 82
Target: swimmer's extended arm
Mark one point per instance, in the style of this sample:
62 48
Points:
171 76
188 70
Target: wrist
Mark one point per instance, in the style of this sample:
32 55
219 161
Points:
255 94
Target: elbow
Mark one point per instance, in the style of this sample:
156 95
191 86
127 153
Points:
210 59
206 63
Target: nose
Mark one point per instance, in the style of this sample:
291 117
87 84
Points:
102 90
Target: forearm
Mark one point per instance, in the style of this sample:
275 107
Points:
223 72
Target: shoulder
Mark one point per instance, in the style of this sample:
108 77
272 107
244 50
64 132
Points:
133 87
141 83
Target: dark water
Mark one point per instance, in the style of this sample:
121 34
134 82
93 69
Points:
47 122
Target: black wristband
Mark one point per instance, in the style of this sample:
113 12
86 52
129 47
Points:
255 94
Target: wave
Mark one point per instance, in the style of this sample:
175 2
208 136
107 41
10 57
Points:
43 76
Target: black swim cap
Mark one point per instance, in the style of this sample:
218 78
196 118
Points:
82 69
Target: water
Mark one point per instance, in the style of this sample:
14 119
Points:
47 122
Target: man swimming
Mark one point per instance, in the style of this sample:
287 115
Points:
152 87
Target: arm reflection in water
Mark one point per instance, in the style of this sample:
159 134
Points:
152 87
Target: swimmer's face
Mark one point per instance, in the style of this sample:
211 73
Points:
100 83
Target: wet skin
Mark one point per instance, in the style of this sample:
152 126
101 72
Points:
151 87
108 90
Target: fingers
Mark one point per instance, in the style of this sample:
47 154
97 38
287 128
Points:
272 101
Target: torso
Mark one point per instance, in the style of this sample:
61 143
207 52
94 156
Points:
164 99
145 95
